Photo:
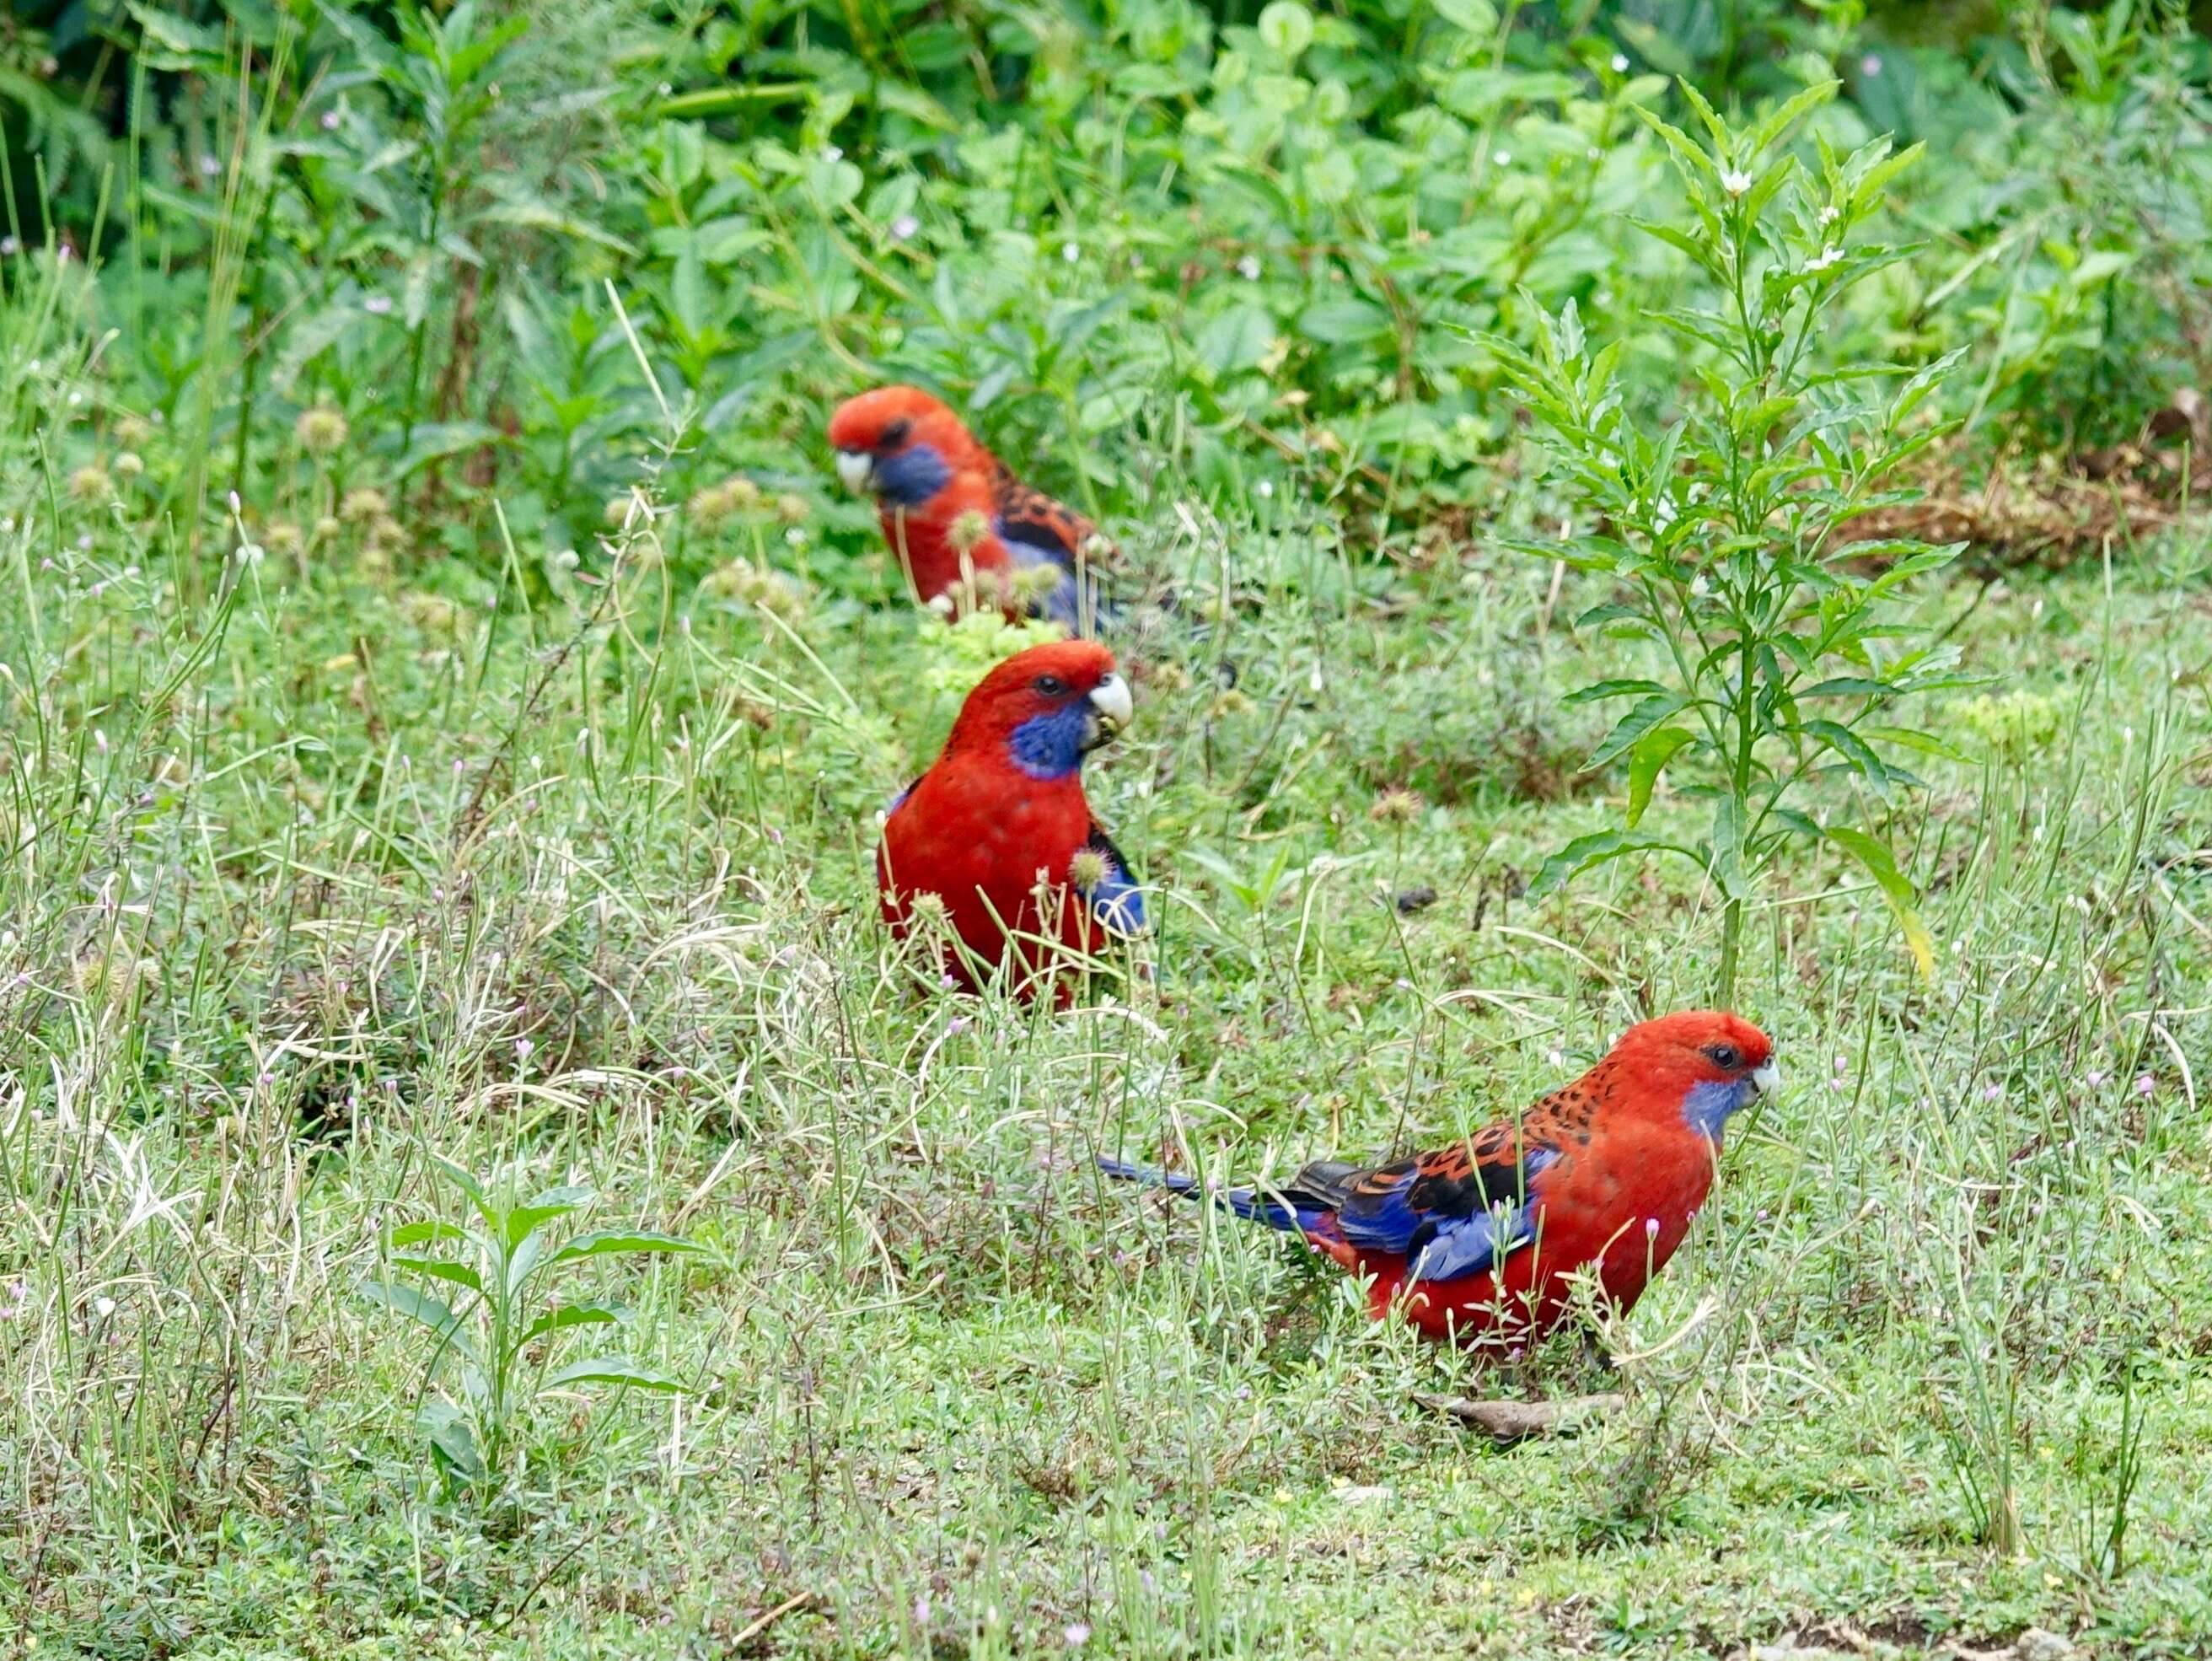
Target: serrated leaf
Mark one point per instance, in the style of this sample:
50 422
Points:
1853 749
1878 862
1647 761
1615 689
1583 852
1631 726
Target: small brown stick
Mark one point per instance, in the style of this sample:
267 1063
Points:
1510 1421
770 1619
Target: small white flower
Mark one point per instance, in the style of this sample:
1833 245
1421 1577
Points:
330 120
1699 586
1070 253
1735 182
8 245
377 304
1621 62
103 1307
1827 257
1870 64
1249 268
1650 1228
1830 215
904 227
1504 158
1077 1633
210 167
1266 487
831 153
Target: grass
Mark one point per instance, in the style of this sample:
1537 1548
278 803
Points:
359 822
339 868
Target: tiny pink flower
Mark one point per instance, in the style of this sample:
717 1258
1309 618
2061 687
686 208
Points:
2144 1084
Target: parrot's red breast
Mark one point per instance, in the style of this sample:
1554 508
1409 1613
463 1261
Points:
1000 832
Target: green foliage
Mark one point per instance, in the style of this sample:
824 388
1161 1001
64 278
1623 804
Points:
505 1315
1784 654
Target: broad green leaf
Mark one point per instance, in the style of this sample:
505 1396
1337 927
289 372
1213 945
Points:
1853 749
432 440
611 1369
1848 686
1614 689
610 1243
576 1315
1583 852
1631 726
469 1185
421 1308
541 1209
1875 859
440 1268
414 1234
452 1441
1647 761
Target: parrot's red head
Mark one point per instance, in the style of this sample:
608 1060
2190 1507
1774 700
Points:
901 444
1043 708
1702 1063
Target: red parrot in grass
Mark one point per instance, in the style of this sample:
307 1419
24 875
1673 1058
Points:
1001 815
956 516
1474 1242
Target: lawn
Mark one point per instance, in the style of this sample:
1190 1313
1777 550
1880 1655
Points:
446 707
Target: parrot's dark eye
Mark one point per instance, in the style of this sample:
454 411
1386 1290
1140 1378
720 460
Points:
1726 1056
1051 685
895 434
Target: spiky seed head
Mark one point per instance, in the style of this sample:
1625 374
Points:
130 465
361 504
326 527
1232 702
1086 870
744 496
90 483
929 908
135 431
434 614
969 529
792 508
281 538
1397 807
710 509
386 534
1035 582
321 430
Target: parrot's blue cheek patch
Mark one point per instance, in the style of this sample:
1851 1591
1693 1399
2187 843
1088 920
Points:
911 476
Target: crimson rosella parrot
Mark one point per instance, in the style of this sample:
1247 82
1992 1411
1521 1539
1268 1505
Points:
958 521
1476 1242
999 830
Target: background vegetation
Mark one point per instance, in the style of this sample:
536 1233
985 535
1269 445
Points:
477 1181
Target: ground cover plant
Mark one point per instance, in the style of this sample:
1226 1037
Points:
447 704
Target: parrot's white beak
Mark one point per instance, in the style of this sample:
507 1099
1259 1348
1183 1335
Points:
855 469
1111 699
1766 1079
